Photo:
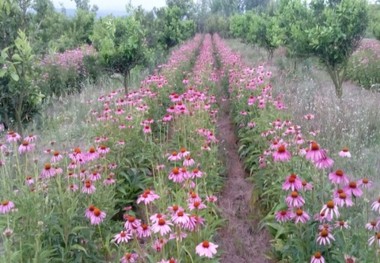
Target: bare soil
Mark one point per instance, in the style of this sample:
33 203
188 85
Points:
240 238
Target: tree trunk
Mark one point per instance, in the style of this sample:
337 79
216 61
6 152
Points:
126 80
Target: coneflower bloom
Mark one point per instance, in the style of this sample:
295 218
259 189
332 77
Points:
292 182
281 155
342 199
180 218
110 180
342 225
154 218
284 215
73 187
184 173
147 197
95 176
159 244
48 171
30 138
174 156
6 206
324 162
29 181
176 176
25 147
188 161
372 226
171 260
196 173
13 137
324 237
365 183
317 258
211 199
306 186
353 189
206 249
309 116
294 200
147 129
129 258
97 216
339 177
376 205
375 239
301 216
330 209
103 149
143 231
197 205
314 153
122 237
88 187
345 153
131 223
183 152
193 197
162 227
56 157
167 118
92 154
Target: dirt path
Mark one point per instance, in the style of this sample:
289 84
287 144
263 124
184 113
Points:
240 239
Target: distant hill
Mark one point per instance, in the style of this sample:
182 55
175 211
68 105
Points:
100 13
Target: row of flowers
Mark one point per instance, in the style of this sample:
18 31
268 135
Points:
316 205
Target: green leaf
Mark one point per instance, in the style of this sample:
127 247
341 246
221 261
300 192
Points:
78 247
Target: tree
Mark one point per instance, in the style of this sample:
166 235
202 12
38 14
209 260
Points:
336 35
121 45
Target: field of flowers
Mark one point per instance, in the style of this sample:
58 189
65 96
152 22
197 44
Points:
141 182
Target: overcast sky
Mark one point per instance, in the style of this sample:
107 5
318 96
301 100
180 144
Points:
117 5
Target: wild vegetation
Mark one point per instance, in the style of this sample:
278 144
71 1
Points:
114 135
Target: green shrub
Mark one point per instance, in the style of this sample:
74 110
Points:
363 68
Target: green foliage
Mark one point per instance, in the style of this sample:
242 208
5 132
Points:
121 44
20 96
374 20
335 38
217 24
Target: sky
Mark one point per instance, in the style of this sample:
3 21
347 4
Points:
117 5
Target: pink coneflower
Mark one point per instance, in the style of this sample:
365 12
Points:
143 231
375 239
174 157
88 187
197 205
3 148
188 161
349 259
193 197
342 199
345 153
330 209
196 173
147 129
162 226
97 216
339 177
131 223
147 197
48 171
184 173
110 180
195 222
309 116
324 237
306 186
281 155
372 226
29 181
284 216
176 176
314 153
92 154
324 162
167 118
171 260
6 206
73 187
30 138
13 137
301 216
89 211
342 225
183 152
376 205
365 183
317 258
129 258
25 147
353 189
211 199
180 218
159 244
95 176
206 249
102 149
295 200
122 237
56 157
292 182
154 218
